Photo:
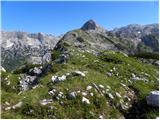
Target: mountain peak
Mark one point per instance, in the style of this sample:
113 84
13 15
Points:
90 25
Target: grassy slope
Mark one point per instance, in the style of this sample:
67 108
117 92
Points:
96 68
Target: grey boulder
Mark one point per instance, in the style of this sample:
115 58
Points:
153 98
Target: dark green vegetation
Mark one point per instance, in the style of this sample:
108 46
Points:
25 68
151 41
97 68
147 55
14 63
55 54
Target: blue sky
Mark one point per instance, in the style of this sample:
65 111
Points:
59 17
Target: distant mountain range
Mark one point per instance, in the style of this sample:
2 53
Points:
89 73
18 48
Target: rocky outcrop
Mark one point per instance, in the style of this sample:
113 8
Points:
27 82
91 25
153 98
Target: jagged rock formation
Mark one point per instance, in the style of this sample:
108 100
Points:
92 26
17 48
130 39
143 36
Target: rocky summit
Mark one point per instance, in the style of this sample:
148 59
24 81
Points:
88 73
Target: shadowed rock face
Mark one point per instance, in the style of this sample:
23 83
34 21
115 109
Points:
90 25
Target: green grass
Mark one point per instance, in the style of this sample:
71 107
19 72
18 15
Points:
96 67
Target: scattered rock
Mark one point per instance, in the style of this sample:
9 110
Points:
27 82
101 117
61 95
103 91
101 86
54 79
108 87
117 74
129 81
107 90
62 78
51 107
110 96
45 101
114 68
77 73
85 100
89 87
34 87
92 94
146 74
7 108
136 78
2 69
123 84
72 95
153 98
18 105
109 74
61 103
8 82
7 103
52 92
118 95
97 88
20 93
78 91
84 93
133 75
67 74
37 71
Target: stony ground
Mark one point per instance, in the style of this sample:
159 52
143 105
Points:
108 85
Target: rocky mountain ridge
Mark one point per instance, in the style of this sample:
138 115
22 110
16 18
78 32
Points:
88 73
19 48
